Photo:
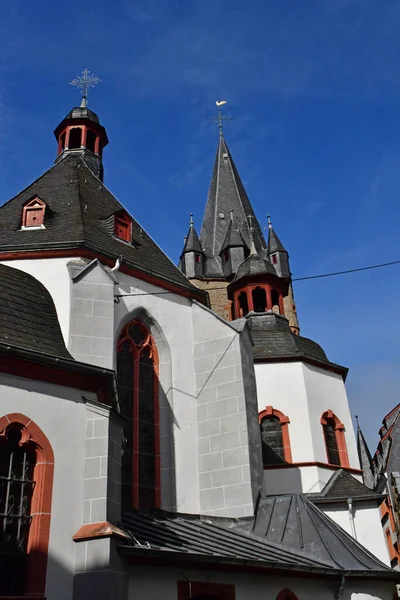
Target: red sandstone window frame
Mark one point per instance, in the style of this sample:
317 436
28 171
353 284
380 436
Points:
37 205
327 416
190 589
39 532
270 411
123 227
124 335
286 594
197 258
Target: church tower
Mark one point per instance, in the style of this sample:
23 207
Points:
241 272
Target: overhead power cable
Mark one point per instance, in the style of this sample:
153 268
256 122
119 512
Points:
333 274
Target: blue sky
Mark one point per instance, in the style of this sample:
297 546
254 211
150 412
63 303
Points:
315 90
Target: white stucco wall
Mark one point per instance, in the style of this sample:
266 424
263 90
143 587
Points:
60 414
53 274
326 390
367 524
303 393
146 582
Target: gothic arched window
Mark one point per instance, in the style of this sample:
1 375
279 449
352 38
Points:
26 477
137 373
274 437
335 442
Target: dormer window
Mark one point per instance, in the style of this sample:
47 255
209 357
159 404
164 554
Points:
33 214
123 227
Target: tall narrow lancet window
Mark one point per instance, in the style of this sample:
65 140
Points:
243 304
75 138
259 300
275 441
17 466
335 443
137 372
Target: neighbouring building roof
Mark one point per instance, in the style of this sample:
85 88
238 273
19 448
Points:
80 214
343 485
28 317
288 532
274 340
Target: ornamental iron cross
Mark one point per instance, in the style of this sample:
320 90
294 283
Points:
84 82
219 117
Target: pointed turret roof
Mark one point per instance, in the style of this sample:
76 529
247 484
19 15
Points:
365 459
233 238
227 193
192 242
274 243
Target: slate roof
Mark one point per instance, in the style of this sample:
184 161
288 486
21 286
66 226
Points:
82 112
192 243
28 317
233 238
274 243
288 532
79 214
365 459
273 339
343 485
255 265
226 193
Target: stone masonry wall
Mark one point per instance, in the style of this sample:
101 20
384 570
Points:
225 482
217 291
290 310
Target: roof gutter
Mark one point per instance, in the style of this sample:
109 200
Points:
161 557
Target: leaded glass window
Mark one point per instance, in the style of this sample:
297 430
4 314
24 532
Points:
272 441
17 464
331 443
138 395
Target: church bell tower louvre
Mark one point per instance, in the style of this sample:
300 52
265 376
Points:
232 261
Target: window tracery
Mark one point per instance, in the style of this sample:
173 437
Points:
335 443
275 440
137 372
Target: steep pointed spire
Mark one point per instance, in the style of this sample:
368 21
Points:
192 242
227 192
274 243
365 458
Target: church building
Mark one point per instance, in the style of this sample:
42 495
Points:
166 432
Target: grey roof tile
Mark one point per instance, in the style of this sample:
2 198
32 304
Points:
79 214
226 193
28 317
287 532
273 339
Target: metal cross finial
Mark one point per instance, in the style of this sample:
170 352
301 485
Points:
84 82
219 117
269 222
191 220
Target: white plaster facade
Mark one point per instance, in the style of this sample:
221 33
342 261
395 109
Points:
146 583
303 393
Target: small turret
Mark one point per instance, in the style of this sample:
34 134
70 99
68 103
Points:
233 250
277 253
192 257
